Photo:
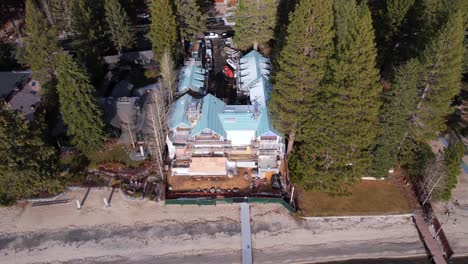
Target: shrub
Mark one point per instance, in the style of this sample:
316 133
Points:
453 157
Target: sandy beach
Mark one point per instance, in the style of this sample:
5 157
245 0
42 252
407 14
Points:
456 224
149 232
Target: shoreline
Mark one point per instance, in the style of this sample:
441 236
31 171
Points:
139 231
389 257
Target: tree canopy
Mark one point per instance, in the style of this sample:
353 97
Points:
338 138
309 45
41 46
190 19
28 165
443 60
163 29
255 22
399 103
78 107
87 38
121 29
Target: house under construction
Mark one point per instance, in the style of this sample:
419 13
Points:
210 138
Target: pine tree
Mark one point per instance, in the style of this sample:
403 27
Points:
309 45
121 29
163 30
60 11
442 60
285 8
389 23
399 102
396 11
190 19
41 46
337 154
255 22
78 107
87 42
28 164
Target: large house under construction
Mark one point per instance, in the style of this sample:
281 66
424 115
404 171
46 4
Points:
210 138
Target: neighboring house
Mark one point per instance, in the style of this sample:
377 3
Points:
122 89
223 9
208 137
126 115
231 3
143 58
253 78
12 80
192 78
20 92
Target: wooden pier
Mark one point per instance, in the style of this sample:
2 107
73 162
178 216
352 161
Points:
433 249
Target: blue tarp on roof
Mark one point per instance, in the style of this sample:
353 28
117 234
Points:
191 77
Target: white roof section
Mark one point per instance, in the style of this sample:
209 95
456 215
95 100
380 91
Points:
254 77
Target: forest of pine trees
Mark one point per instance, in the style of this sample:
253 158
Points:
360 87
357 86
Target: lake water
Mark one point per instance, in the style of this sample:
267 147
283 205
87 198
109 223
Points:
397 261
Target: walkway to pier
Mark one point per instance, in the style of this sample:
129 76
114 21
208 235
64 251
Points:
246 236
431 244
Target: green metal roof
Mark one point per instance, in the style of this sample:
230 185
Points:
209 119
238 121
191 77
177 116
264 125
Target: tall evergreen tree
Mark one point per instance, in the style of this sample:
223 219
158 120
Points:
255 22
388 22
399 103
163 30
60 11
190 19
354 90
396 11
41 47
28 164
121 29
442 60
285 8
87 41
309 45
338 153
78 107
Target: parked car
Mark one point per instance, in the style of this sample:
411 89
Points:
208 44
211 35
228 34
209 53
143 16
209 64
228 72
232 63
